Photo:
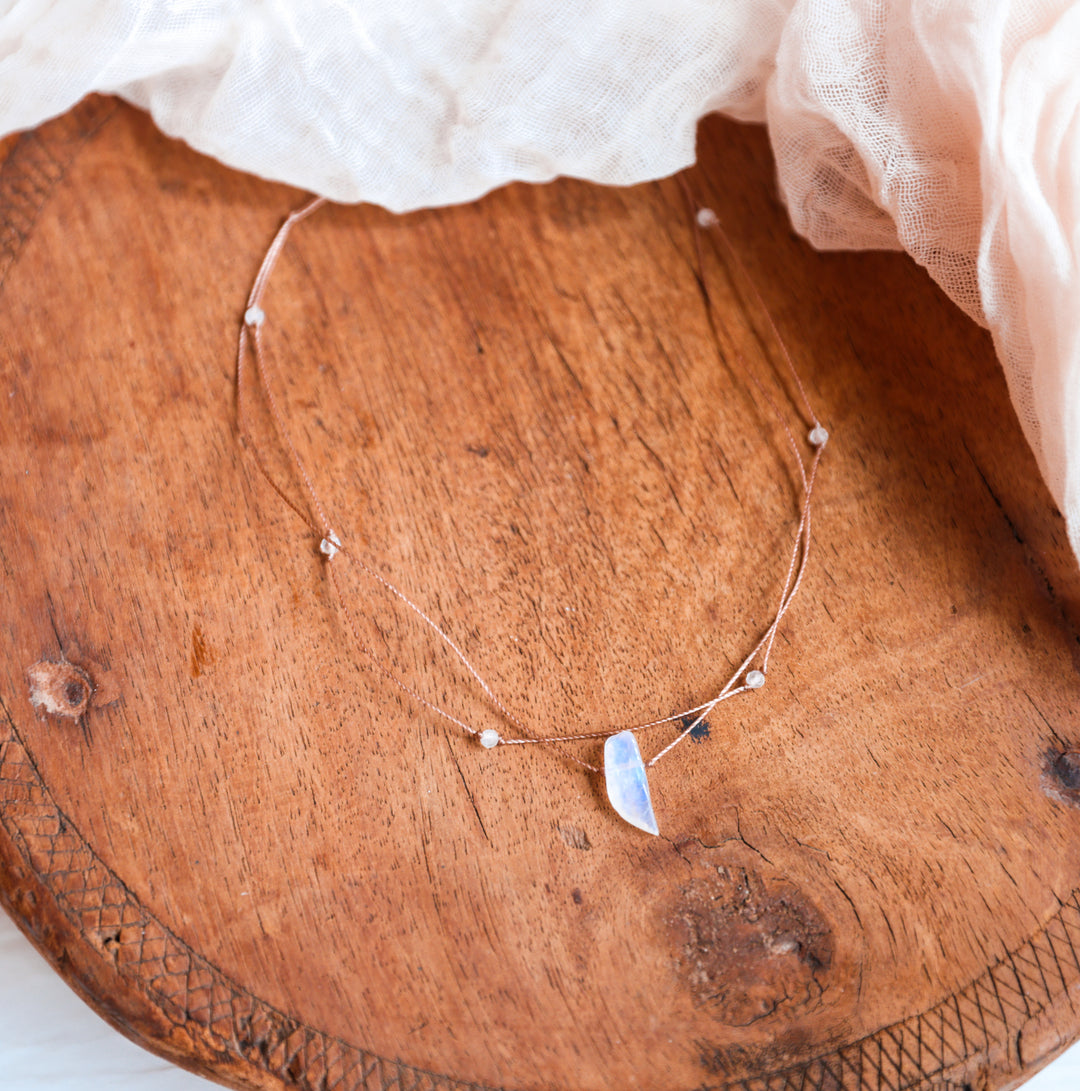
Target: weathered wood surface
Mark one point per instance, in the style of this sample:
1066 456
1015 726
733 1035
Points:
252 853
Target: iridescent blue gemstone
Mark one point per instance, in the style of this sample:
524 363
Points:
627 784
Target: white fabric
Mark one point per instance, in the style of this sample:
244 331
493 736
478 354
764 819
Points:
953 129
947 127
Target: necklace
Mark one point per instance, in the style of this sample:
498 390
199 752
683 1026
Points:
624 770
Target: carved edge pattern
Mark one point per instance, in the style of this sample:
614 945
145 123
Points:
984 1016
193 993
913 1054
188 989
36 163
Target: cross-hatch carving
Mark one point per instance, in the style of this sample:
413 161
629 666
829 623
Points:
904 1056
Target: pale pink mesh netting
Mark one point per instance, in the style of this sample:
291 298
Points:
946 127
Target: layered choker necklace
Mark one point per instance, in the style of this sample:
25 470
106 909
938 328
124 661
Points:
624 770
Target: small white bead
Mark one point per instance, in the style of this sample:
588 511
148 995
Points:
707 218
818 436
254 316
754 679
489 738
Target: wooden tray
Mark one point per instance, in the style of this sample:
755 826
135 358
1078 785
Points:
253 854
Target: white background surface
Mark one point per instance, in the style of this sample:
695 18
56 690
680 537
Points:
51 1041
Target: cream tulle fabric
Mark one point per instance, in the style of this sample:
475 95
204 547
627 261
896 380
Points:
950 128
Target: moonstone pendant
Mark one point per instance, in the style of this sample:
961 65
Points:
627 785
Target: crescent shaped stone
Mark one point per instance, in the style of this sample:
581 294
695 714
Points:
627 784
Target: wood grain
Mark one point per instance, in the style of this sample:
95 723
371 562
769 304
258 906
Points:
251 852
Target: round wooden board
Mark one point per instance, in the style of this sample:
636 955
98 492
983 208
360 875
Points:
257 856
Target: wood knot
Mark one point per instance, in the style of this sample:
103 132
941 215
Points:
59 689
748 947
1062 774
